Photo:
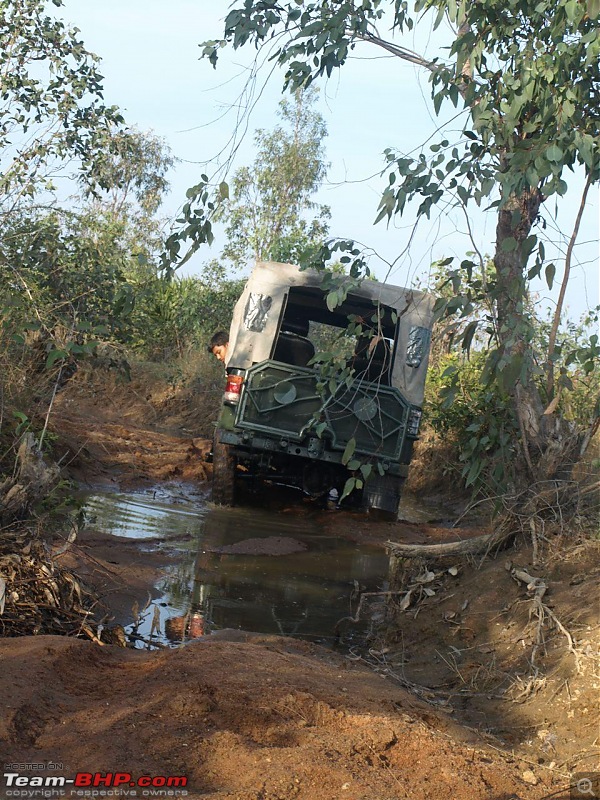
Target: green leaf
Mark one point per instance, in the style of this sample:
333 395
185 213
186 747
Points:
550 273
528 246
474 471
440 305
593 9
509 374
348 487
366 470
463 193
54 356
468 335
554 153
349 451
24 422
332 300
508 245
450 370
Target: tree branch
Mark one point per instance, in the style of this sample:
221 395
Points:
399 52
563 289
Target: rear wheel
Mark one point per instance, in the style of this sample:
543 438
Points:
223 488
382 494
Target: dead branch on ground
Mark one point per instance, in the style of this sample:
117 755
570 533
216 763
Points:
32 481
526 512
37 596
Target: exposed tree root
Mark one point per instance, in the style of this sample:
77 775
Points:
525 512
542 612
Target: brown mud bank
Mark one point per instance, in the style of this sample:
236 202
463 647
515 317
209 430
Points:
113 433
258 718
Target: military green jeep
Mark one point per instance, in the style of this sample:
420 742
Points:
284 420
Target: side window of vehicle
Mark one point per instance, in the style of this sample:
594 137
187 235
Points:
372 359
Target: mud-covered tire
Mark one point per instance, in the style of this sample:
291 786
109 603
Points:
381 496
223 484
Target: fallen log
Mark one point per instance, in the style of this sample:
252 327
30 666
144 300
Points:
474 546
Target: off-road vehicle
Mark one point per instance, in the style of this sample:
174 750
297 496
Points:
289 417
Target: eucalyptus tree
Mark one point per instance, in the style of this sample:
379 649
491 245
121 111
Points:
128 183
270 200
268 209
527 76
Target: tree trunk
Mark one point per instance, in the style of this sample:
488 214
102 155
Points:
515 220
550 444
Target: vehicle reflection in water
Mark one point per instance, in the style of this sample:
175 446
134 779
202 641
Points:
186 626
302 593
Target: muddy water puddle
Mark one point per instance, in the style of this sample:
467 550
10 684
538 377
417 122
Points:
246 568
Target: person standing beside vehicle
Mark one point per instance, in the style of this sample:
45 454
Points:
218 345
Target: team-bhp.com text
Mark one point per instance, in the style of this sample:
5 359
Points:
94 785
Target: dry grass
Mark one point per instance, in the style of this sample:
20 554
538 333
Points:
37 596
433 467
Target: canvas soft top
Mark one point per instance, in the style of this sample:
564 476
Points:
262 303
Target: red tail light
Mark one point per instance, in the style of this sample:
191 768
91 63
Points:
233 387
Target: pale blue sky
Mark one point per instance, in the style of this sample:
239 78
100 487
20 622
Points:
151 64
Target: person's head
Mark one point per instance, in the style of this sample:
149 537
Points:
218 345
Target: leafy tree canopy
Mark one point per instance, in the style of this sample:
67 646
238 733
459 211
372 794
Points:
51 104
131 173
528 74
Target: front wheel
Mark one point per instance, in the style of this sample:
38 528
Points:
224 468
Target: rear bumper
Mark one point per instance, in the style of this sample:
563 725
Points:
246 442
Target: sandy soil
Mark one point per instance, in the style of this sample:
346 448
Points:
424 714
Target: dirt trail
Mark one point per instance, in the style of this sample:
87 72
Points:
251 717
254 719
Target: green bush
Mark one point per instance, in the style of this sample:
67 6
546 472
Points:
172 317
459 407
